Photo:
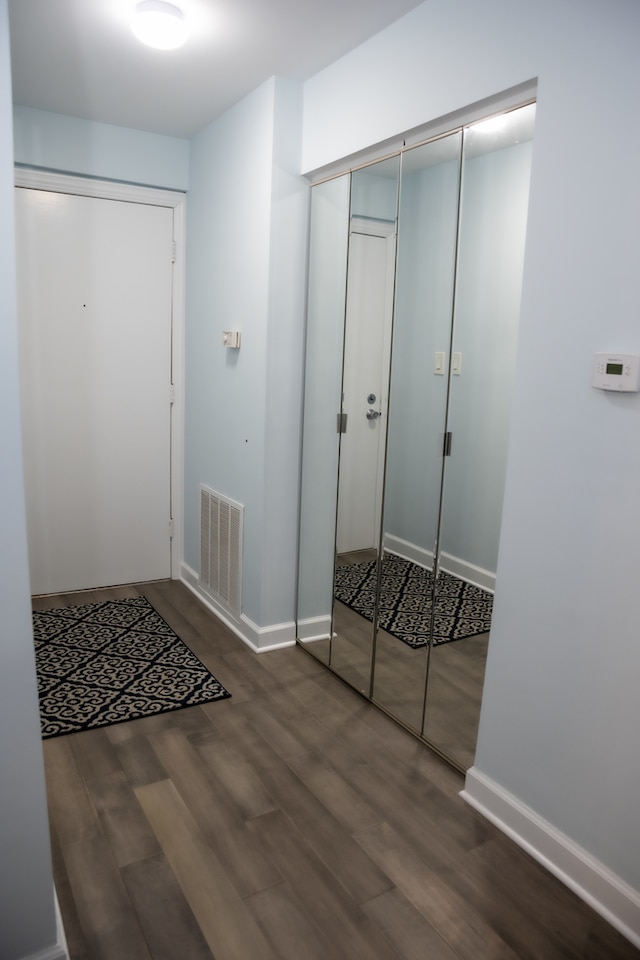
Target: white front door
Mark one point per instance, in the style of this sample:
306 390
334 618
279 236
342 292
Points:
94 308
365 386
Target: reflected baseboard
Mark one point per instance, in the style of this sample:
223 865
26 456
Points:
410 551
456 566
311 629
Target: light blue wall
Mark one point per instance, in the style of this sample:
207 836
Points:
27 917
285 359
245 271
561 709
71 145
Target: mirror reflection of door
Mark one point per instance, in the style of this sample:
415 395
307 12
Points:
364 387
365 379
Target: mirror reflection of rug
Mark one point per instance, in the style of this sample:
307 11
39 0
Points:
462 609
103 663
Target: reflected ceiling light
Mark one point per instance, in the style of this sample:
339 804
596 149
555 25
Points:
492 125
159 24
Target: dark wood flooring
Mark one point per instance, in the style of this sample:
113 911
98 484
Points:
294 821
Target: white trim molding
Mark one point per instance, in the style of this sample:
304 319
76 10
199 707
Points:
258 639
59 950
591 880
56 952
37 179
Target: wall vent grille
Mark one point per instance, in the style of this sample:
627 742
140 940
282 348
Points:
221 523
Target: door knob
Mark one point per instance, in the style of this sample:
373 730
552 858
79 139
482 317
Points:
373 414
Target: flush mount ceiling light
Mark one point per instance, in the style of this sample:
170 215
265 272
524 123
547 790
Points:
159 24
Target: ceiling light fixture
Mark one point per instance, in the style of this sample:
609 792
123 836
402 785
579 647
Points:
159 24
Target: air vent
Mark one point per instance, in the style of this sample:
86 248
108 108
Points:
221 549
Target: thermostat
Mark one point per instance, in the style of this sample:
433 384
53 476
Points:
616 371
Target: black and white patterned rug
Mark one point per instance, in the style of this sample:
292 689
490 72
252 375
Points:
462 610
103 663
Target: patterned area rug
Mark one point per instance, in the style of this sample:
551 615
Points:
103 663
462 610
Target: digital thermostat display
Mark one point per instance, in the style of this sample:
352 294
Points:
619 372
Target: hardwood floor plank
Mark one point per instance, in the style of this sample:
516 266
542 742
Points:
136 755
239 779
216 814
605 941
329 906
76 942
107 918
94 754
406 928
459 925
170 928
331 842
286 926
272 718
227 925
348 806
70 806
122 820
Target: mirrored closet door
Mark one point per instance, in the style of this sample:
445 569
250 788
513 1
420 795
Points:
414 288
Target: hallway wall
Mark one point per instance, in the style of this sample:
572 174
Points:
27 916
52 141
246 271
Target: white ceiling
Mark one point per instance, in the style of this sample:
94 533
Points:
79 57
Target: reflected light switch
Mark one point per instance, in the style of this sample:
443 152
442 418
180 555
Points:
439 364
457 364
231 338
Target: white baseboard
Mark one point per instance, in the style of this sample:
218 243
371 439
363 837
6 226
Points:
58 950
594 883
259 639
55 952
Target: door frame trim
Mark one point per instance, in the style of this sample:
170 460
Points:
34 179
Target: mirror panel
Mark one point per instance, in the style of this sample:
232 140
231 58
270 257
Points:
493 215
329 232
425 275
365 385
411 340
